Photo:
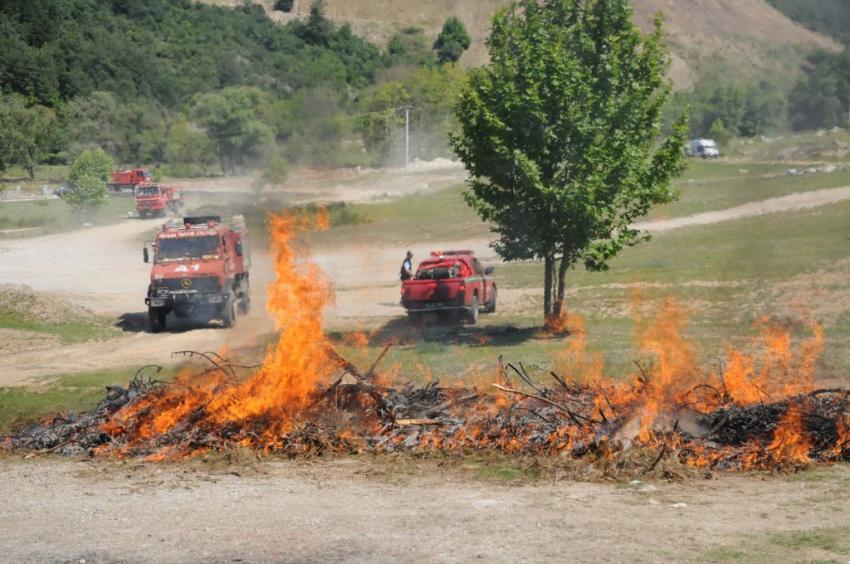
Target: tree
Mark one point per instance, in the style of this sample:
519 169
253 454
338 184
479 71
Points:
284 5
409 47
452 41
561 134
234 122
821 98
318 29
87 193
719 133
87 181
381 118
29 134
188 149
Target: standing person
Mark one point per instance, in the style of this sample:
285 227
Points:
406 272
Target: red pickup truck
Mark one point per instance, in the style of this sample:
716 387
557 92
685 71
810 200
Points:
450 282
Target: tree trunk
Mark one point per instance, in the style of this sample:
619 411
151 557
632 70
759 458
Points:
222 160
559 299
549 262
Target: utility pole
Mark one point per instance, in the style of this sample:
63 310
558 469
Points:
407 135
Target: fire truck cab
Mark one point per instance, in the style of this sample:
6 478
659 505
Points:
200 271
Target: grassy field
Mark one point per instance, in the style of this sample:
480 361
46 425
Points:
790 266
444 216
62 395
56 215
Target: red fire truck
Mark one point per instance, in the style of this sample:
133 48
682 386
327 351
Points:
155 200
200 271
127 180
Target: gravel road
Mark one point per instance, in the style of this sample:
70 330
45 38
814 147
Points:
66 511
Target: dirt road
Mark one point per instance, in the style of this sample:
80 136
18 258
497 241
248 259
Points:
372 512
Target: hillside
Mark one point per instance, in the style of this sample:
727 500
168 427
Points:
831 17
747 37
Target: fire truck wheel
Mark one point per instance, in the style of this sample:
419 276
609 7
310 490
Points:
156 317
472 315
228 312
245 305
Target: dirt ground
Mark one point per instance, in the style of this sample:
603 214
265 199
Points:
365 511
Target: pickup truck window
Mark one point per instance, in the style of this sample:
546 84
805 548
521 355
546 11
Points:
442 271
477 267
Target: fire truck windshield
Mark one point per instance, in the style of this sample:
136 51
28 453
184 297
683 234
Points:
147 190
187 247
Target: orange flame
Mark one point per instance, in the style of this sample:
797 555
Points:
292 369
791 442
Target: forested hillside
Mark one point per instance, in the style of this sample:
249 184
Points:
189 84
830 17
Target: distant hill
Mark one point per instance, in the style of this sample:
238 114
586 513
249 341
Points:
830 17
748 38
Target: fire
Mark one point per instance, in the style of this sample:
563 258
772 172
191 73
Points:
293 367
791 442
760 410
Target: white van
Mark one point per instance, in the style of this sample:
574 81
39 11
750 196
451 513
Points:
705 148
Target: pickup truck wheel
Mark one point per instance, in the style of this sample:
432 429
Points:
490 307
156 317
472 315
228 312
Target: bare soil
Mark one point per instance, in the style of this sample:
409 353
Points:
386 510
733 30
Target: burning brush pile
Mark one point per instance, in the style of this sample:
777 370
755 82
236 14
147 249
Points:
760 411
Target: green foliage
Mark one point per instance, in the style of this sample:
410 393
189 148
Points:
284 5
831 17
745 110
821 99
120 74
560 134
431 92
319 29
85 194
719 133
191 148
87 179
409 47
452 41
234 122
382 116
28 134
93 163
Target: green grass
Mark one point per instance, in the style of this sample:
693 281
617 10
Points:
737 264
717 186
829 146
56 215
770 247
69 332
65 394
805 545
444 215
